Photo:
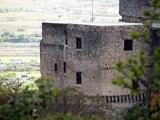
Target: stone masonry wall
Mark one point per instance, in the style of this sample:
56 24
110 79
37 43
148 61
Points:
112 51
51 52
102 46
132 10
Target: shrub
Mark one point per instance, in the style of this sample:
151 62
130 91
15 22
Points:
45 102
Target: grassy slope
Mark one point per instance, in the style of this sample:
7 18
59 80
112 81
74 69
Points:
26 53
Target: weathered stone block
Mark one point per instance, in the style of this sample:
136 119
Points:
102 46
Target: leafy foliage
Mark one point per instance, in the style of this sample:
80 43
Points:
143 70
132 71
155 106
45 102
137 113
23 104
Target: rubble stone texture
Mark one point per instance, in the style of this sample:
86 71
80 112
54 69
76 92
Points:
102 47
132 10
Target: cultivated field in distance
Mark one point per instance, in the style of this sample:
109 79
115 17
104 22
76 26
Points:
21 59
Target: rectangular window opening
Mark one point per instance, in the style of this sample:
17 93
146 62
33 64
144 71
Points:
78 43
66 40
128 44
78 78
55 67
64 67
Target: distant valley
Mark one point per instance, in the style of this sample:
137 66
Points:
23 18
20 29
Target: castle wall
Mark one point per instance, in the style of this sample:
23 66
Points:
51 52
85 60
132 10
102 46
112 51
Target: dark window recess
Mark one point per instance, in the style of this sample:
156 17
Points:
78 78
155 38
135 84
64 67
128 44
66 40
55 67
78 43
147 3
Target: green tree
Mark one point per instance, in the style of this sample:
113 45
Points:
144 70
45 102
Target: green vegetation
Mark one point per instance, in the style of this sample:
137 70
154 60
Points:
45 102
31 74
143 71
18 80
20 59
11 37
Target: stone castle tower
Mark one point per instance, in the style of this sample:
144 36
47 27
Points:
132 10
84 56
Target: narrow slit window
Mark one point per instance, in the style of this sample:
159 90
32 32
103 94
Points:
66 40
78 78
64 67
78 43
128 44
55 67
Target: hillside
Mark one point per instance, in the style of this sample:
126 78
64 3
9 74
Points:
24 17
